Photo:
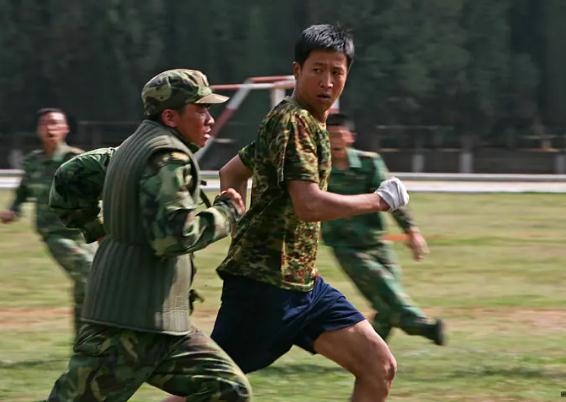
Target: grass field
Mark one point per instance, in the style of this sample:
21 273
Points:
496 274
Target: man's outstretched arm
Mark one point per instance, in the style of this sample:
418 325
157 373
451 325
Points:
312 204
170 215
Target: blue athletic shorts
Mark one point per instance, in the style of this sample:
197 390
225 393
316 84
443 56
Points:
257 323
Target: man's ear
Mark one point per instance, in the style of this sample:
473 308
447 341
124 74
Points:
296 69
352 138
168 118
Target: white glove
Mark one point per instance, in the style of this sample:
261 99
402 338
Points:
394 193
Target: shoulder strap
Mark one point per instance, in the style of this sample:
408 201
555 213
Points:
203 195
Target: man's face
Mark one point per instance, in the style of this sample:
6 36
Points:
320 80
194 124
52 128
340 139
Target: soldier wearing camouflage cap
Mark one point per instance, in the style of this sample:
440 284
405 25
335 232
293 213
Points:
66 246
137 327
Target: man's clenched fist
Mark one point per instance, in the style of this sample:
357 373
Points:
394 193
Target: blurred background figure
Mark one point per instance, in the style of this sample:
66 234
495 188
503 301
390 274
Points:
66 246
357 242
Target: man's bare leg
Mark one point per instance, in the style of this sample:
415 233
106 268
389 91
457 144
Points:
363 353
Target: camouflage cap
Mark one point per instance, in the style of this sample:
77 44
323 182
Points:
172 89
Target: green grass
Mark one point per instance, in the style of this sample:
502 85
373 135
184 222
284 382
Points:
496 274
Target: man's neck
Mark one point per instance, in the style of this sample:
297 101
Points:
317 115
192 147
341 163
49 149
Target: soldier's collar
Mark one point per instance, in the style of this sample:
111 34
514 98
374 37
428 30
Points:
353 158
194 148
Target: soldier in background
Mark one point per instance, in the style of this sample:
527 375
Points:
67 246
358 245
136 315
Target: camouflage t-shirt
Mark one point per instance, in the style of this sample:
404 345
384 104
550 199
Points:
39 169
272 244
364 174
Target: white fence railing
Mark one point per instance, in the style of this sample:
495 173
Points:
416 182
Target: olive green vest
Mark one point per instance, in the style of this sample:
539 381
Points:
129 286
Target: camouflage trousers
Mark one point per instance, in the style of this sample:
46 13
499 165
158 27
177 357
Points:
75 257
110 364
376 274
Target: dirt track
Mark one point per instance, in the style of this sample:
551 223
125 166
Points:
547 321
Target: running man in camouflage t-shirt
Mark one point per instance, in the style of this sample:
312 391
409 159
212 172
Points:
273 296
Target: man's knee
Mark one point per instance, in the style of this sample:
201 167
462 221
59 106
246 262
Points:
236 389
389 368
385 373
380 364
232 386
241 391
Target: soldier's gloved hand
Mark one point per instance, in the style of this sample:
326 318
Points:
394 193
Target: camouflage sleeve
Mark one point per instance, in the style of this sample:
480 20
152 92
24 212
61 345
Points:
401 215
76 191
22 193
301 157
169 212
246 155
403 218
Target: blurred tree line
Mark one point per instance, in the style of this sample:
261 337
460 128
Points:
481 66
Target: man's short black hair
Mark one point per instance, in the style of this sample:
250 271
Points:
340 119
156 117
324 37
44 110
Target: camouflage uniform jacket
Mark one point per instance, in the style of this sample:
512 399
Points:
172 228
365 173
77 190
272 244
36 182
